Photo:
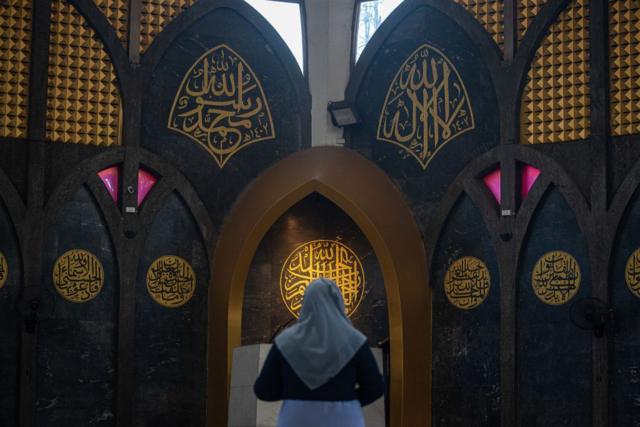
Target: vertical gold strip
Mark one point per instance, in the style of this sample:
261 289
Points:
527 10
156 14
624 66
490 13
15 57
555 101
117 12
83 101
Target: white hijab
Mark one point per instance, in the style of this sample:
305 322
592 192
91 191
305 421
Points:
323 340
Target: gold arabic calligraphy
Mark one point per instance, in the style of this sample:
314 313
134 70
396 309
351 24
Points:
322 258
632 273
78 275
4 270
556 277
221 105
426 106
171 281
467 282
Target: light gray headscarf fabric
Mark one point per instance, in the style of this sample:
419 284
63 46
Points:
323 340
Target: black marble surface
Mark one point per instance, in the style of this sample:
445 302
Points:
466 343
171 343
626 306
10 329
76 347
554 356
313 218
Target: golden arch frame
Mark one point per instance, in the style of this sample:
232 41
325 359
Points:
376 205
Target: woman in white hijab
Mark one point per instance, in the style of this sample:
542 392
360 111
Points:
321 367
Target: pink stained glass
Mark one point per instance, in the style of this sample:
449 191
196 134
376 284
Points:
110 178
529 176
146 181
492 181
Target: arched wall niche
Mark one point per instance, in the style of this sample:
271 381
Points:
375 205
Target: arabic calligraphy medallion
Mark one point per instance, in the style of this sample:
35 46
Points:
4 270
322 258
632 273
556 277
78 276
427 105
171 281
467 282
221 105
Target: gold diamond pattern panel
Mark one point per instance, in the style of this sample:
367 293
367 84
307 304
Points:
156 14
555 101
15 55
117 12
527 10
490 14
83 102
624 66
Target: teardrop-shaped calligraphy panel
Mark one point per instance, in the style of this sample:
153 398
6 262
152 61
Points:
221 105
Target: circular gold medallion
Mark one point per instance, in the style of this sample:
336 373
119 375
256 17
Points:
556 278
632 273
171 281
78 275
4 270
467 282
322 258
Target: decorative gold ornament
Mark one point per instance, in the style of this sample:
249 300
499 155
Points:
15 59
490 13
426 106
117 12
624 57
555 100
322 258
171 281
78 275
157 14
83 99
556 277
4 270
467 282
527 11
221 105
632 273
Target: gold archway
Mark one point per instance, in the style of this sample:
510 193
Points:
371 199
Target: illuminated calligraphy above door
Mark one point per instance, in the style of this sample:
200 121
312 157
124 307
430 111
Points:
426 106
221 105
322 258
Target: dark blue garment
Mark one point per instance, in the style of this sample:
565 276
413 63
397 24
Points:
360 379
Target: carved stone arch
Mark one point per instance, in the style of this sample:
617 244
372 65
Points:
183 21
452 10
369 197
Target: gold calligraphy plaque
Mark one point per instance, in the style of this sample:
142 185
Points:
4 270
467 282
322 258
632 273
171 281
556 277
78 275
221 105
426 106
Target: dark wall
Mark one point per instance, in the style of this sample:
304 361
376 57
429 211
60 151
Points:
313 218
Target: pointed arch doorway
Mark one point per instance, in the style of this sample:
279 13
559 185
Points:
370 198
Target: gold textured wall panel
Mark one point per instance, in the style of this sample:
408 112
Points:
490 14
117 12
527 10
83 102
15 56
624 63
156 14
555 101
